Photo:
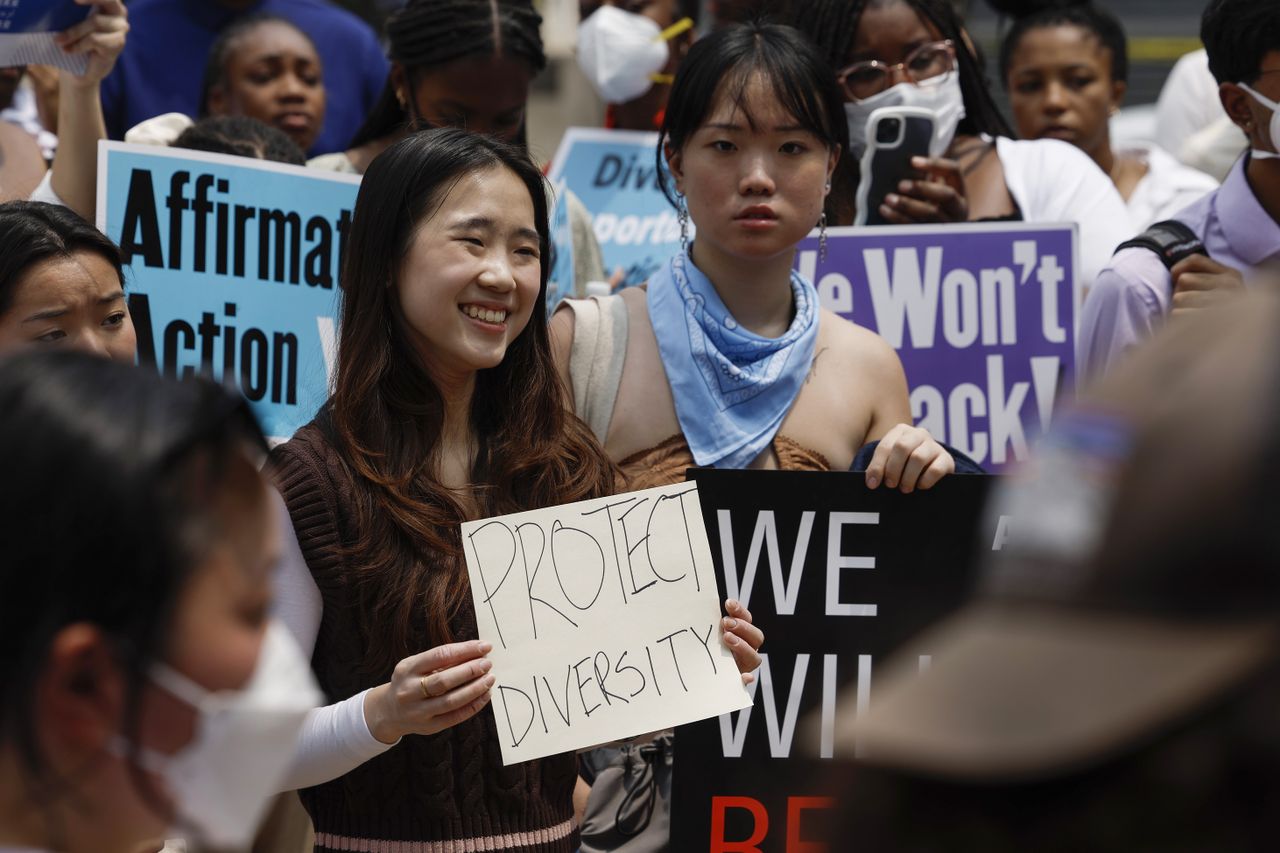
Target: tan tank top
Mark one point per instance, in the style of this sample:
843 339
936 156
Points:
666 463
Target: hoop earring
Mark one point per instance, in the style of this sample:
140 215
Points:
682 215
822 238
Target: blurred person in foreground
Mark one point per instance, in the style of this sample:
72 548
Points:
144 686
1115 685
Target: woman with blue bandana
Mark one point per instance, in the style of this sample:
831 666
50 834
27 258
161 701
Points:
726 358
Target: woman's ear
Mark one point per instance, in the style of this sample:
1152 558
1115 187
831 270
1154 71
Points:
833 158
216 104
80 695
675 162
1118 90
400 84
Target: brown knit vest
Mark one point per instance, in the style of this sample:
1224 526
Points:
447 787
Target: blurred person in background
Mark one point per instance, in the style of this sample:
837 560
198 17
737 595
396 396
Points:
917 53
264 67
1190 121
1233 233
28 98
629 51
162 68
466 64
1065 67
1115 685
143 686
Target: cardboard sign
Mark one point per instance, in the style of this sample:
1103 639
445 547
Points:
837 576
981 314
615 175
604 620
27 28
233 269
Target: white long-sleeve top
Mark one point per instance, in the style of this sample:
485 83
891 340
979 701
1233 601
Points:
335 739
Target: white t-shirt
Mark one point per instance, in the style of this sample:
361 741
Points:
1053 181
1190 121
1166 188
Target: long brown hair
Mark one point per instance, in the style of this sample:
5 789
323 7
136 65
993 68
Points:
386 414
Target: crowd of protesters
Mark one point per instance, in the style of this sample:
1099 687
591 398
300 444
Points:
193 625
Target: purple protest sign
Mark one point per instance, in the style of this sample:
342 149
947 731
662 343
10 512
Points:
982 316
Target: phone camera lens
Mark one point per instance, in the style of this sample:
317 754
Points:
888 130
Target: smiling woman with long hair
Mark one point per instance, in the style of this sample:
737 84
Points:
446 407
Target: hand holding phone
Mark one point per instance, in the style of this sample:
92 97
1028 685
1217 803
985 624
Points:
900 183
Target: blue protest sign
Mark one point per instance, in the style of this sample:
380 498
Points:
981 314
615 175
560 277
232 269
27 28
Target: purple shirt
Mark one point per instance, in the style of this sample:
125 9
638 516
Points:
1132 295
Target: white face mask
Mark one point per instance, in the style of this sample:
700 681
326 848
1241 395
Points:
622 52
941 95
1275 123
221 782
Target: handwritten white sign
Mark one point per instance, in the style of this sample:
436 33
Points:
604 619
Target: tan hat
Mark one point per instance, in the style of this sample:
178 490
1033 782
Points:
1073 654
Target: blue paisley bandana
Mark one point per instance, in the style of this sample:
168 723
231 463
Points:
732 387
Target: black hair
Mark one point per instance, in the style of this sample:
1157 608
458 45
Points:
684 8
426 33
243 137
32 232
109 473
726 60
219 57
1237 34
832 24
1039 14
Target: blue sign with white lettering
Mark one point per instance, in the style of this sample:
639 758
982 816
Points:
232 269
615 175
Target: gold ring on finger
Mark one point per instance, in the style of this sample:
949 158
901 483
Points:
422 682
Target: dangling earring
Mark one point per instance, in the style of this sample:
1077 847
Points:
822 238
682 215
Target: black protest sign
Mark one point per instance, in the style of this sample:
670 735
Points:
837 576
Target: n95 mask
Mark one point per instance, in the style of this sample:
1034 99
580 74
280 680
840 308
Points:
221 782
622 52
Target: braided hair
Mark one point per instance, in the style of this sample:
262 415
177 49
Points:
428 33
832 25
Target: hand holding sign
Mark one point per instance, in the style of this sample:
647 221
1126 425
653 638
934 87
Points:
430 692
743 639
605 621
99 38
908 458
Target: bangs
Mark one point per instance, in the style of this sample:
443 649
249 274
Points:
804 106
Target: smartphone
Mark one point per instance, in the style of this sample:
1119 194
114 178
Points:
894 136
